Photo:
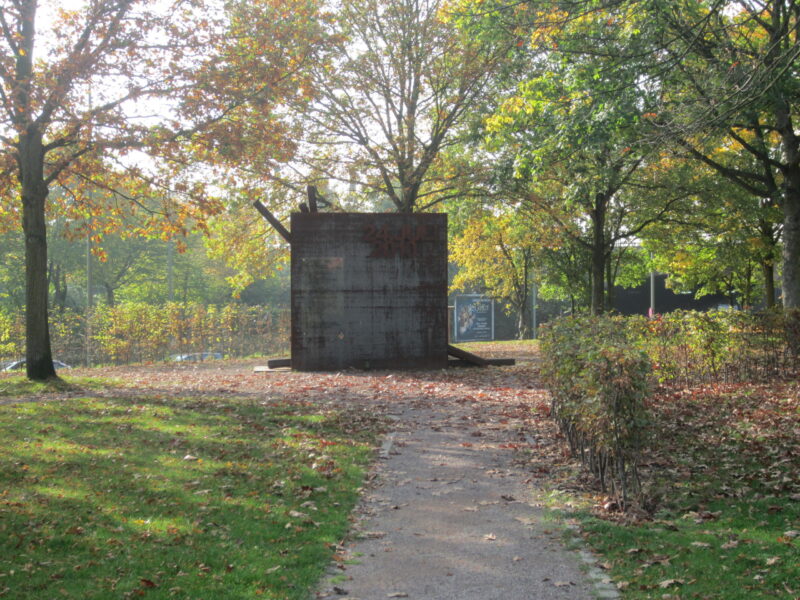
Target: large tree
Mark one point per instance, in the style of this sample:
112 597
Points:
730 68
391 95
111 76
573 126
731 242
496 253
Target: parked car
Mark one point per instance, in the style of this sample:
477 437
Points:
18 365
197 356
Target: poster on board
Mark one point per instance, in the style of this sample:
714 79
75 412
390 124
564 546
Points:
474 318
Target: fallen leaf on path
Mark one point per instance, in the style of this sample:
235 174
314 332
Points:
373 535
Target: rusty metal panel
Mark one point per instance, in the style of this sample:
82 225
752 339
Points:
369 291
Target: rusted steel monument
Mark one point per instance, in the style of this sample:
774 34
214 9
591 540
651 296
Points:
369 290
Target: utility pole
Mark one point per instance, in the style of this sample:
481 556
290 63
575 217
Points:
89 274
652 289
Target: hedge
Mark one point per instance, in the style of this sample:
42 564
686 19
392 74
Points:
599 381
689 347
137 332
600 369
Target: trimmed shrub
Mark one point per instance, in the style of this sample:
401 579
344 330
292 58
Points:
688 347
599 381
598 370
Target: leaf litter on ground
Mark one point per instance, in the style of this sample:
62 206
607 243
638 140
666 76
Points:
714 445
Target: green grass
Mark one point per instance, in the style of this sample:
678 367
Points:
726 484
173 498
740 554
519 349
499 345
17 385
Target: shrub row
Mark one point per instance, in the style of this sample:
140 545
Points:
137 332
599 370
599 382
689 347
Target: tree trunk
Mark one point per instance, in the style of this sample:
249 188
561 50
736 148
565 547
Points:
746 300
791 249
524 308
790 154
598 254
768 270
610 279
109 294
770 236
38 355
524 329
57 278
791 265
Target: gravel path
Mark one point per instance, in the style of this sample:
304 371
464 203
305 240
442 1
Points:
448 516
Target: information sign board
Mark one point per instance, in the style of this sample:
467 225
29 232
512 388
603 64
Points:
474 318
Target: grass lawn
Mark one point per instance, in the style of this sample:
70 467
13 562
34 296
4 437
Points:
724 477
521 349
162 496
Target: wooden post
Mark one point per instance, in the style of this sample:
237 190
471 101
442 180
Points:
273 221
466 356
312 198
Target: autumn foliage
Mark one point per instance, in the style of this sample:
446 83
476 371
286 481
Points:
689 347
134 99
599 382
603 374
136 332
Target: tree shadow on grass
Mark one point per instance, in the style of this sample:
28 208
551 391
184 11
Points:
108 498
